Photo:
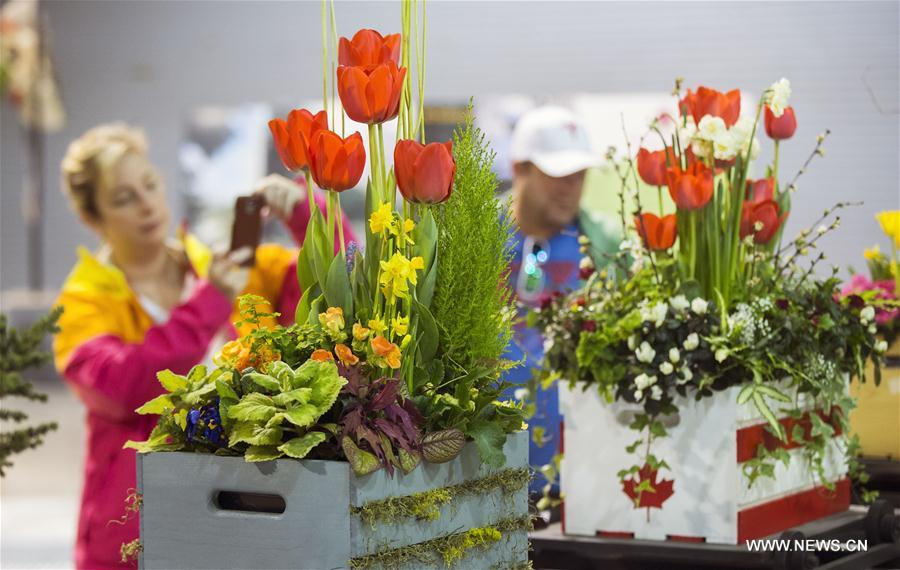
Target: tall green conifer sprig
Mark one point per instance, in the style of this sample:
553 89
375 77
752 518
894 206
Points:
20 351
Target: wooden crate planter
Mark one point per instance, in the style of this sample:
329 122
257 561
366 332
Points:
711 500
331 518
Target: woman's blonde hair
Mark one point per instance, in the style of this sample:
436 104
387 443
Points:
91 157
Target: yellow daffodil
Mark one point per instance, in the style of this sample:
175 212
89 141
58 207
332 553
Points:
386 353
382 219
890 224
400 325
873 253
408 225
360 332
395 276
333 321
377 326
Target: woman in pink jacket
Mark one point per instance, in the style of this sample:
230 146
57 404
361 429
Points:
145 303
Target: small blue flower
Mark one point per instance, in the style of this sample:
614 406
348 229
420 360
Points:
208 420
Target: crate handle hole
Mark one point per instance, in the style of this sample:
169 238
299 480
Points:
249 502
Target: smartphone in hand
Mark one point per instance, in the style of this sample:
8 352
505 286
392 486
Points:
247 228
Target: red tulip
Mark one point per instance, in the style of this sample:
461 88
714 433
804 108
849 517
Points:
371 95
652 165
292 137
335 163
424 172
783 127
658 233
369 49
759 191
691 189
708 101
761 219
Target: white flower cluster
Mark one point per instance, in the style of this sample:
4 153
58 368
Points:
642 382
655 314
712 138
867 315
777 96
748 322
820 368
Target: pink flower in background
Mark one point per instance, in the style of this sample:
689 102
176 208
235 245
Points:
885 287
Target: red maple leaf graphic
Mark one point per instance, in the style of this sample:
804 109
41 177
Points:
661 490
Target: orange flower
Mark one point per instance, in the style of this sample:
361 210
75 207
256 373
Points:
761 214
760 190
691 189
345 355
386 351
708 101
783 127
335 163
371 95
658 233
652 165
321 355
292 137
369 49
424 172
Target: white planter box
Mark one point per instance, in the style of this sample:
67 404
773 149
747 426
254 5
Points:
183 524
711 500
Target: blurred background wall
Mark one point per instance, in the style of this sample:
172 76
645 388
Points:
153 63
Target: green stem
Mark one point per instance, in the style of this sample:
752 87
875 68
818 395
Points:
383 165
374 170
775 167
694 252
659 193
310 195
340 223
329 208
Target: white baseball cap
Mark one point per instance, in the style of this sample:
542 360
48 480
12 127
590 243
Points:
554 140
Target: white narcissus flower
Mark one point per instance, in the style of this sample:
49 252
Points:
721 354
642 381
873 329
740 138
867 314
656 392
586 263
645 353
666 368
778 95
699 306
520 393
679 302
691 342
881 346
674 355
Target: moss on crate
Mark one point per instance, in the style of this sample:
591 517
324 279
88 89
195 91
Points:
427 504
448 549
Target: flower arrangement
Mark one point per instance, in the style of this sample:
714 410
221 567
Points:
884 281
396 349
708 297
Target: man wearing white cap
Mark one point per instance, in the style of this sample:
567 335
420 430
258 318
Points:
551 153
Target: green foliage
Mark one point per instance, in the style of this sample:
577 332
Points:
427 504
19 351
473 309
448 549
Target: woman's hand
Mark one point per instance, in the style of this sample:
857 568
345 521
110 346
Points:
226 273
280 193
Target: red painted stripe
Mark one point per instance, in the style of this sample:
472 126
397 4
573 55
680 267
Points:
680 538
614 534
749 438
786 512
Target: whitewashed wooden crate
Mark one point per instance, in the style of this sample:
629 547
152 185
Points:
712 501
183 525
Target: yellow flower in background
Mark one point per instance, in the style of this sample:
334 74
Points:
360 332
408 225
890 225
333 321
382 219
400 325
377 326
873 253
